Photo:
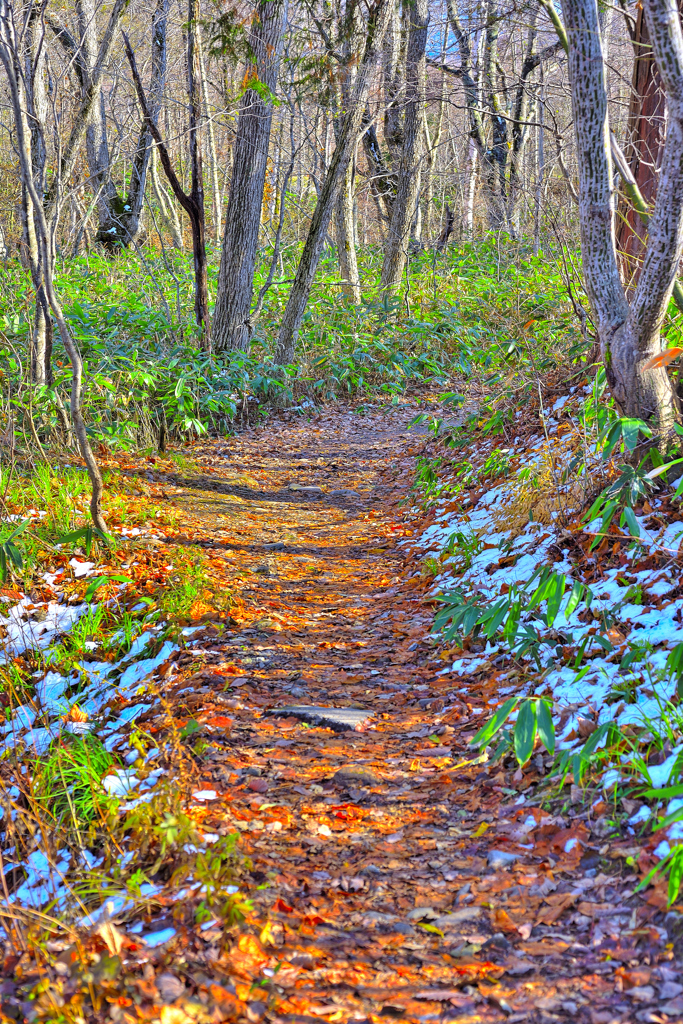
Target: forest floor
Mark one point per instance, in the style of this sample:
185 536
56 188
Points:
389 872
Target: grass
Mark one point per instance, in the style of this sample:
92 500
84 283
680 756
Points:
67 784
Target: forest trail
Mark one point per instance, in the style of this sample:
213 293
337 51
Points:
387 880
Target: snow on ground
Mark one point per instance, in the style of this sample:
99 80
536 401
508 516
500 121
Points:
109 696
500 556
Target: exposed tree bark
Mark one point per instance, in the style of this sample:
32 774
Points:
447 230
540 168
629 335
469 178
32 93
382 179
119 218
520 121
432 144
91 96
349 40
403 208
132 208
232 325
201 293
629 183
348 137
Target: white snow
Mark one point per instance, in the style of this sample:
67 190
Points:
599 681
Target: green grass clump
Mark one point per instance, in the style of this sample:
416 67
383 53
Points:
67 783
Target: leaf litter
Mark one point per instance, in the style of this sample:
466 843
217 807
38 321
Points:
381 868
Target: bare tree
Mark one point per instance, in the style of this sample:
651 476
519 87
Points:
192 203
13 26
629 333
408 188
232 325
378 21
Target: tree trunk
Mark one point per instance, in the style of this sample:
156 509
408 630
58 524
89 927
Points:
345 236
382 180
343 153
473 101
216 205
646 130
33 93
497 155
167 211
201 291
192 203
403 209
109 206
540 169
119 219
432 149
129 220
232 326
629 335
469 189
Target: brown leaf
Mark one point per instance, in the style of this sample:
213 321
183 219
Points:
557 904
502 922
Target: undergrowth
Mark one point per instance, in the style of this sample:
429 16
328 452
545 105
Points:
470 309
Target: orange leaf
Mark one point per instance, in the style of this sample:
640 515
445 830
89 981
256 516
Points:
281 907
502 921
250 945
662 359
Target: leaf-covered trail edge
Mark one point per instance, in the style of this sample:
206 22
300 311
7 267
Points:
390 875
390 872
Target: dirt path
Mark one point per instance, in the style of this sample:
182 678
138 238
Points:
387 879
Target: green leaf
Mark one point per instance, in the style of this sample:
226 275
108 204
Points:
494 724
659 470
629 515
574 598
100 580
13 553
675 873
630 429
555 597
189 729
20 529
525 731
546 727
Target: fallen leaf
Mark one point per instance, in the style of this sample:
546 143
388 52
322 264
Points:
662 358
